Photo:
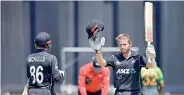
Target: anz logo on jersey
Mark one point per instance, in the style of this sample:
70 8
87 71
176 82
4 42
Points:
126 71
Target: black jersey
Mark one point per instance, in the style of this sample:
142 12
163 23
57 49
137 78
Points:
127 71
42 69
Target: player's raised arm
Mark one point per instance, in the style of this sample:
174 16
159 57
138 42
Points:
96 42
99 58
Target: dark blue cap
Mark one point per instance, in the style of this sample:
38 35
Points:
42 38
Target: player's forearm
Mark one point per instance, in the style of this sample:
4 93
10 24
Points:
99 58
58 75
82 90
105 90
160 90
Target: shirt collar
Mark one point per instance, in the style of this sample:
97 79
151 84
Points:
134 53
40 50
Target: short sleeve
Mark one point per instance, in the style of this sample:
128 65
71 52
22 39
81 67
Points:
143 61
110 61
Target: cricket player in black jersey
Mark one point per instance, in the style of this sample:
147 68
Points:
126 63
42 68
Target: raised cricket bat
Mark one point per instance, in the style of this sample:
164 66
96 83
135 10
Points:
148 13
148 9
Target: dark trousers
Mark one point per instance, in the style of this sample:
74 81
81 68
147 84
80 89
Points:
92 93
127 92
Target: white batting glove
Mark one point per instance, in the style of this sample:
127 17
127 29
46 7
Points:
96 42
62 73
150 52
151 55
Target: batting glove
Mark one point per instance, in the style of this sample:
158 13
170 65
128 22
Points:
96 42
150 51
62 73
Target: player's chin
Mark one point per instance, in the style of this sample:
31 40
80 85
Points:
124 50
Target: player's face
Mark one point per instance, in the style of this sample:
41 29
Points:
124 45
49 43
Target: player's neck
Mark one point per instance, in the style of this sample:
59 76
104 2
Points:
127 54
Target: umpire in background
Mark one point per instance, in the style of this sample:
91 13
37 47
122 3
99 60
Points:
93 79
42 69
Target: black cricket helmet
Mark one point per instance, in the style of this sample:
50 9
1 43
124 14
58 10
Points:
92 26
43 40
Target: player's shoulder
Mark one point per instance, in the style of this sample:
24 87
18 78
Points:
40 54
143 69
86 67
116 55
158 69
135 51
52 56
30 55
119 54
105 69
138 55
47 56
